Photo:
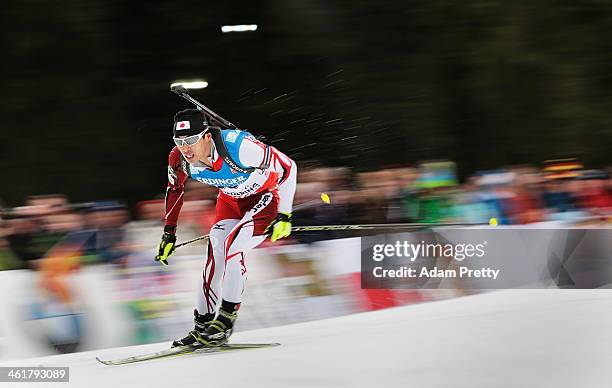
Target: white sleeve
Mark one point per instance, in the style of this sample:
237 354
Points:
287 170
251 153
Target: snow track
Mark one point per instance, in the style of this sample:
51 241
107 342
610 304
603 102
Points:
514 338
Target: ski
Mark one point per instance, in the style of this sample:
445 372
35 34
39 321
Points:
184 350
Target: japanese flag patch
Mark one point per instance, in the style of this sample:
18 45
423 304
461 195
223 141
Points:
182 125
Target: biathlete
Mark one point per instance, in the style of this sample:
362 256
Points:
256 188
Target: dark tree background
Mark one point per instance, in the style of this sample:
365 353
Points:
86 110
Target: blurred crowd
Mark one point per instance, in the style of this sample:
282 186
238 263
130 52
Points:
561 190
51 234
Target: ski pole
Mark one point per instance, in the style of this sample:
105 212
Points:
324 198
314 228
319 228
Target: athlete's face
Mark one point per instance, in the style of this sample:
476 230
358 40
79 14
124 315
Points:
199 152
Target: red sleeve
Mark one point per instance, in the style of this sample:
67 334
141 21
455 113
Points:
175 190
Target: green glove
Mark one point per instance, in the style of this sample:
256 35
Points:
166 248
280 227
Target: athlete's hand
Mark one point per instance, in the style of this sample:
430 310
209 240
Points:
166 248
280 227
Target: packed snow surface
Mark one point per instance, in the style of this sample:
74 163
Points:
513 338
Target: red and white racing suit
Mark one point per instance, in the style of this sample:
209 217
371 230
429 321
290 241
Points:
244 210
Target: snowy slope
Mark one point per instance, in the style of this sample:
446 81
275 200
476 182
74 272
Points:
517 338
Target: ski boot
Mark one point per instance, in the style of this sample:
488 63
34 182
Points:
217 332
201 323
